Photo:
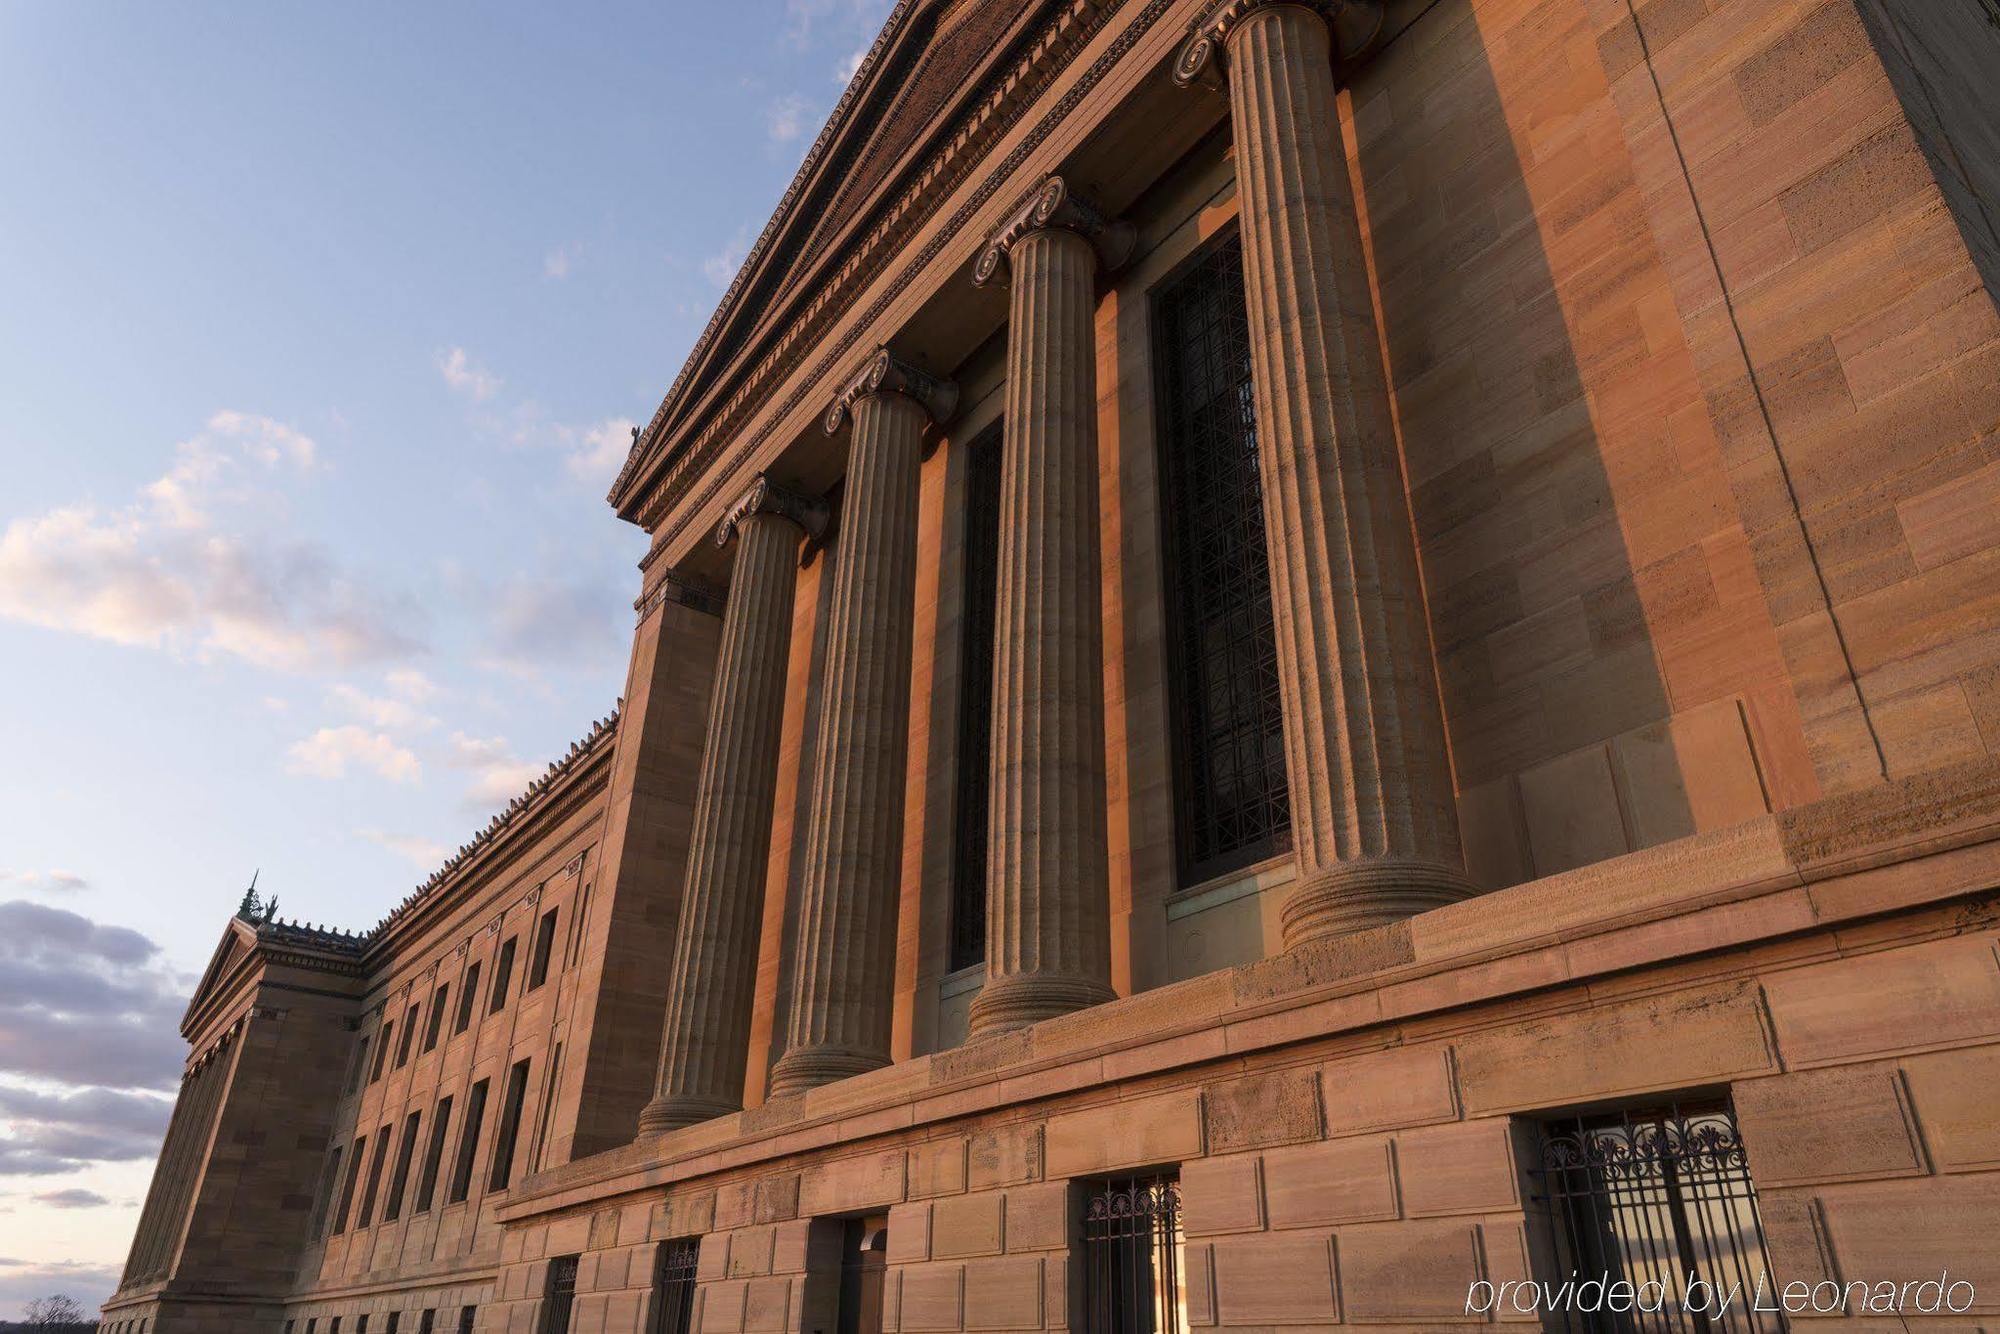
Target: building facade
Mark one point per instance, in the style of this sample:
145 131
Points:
1300 662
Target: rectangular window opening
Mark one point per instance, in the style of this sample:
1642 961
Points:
409 1034
374 1177
509 1127
673 1285
347 1189
1231 793
1656 1194
433 1156
382 1051
561 1296
465 1000
1133 1255
979 608
545 942
436 1025
400 1178
468 1142
503 972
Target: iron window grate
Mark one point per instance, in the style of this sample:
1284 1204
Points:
673 1285
1231 793
1132 1249
1663 1196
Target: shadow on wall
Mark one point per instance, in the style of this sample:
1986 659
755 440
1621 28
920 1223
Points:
1578 542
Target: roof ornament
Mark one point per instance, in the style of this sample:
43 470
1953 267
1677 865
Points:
253 909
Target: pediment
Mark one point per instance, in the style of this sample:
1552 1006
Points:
239 938
932 62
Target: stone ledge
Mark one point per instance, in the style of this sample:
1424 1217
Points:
1759 881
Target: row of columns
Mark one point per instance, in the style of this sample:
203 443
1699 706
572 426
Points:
1375 831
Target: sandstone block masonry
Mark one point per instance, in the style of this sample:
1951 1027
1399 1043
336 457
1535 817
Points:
1332 620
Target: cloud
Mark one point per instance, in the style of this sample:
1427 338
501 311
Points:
556 264
48 1134
466 376
164 571
55 882
23 1281
76 1197
601 451
423 852
786 119
388 711
85 1003
412 685
498 774
328 752
721 267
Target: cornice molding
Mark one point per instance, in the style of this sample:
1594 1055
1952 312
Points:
1356 25
1053 204
886 373
765 495
692 464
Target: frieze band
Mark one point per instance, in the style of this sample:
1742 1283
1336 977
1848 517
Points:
1054 204
688 592
887 373
1356 24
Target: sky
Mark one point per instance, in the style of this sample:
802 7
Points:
322 333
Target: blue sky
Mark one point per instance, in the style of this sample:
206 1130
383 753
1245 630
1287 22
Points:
322 330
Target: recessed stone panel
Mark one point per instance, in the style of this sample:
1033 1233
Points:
1274 1279
1277 1107
1402 1086
1467 1168
1005 1155
1877 1004
937 1168
1416 1271
1133 1132
847 1184
1842 1123
1955 1097
968 1225
1004 1293
1222 1195
933 1297
1340 1181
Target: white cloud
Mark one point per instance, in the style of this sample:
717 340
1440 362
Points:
498 775
424 853
63 882
390 711
844 73
166 572
600 451
556 264
786 119
467 376
412 685
328 752
720 268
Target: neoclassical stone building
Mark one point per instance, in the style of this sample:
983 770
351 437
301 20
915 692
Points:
1298 660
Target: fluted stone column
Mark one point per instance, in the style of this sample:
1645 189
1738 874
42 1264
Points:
707 1035
1048 928
1374 822
844 963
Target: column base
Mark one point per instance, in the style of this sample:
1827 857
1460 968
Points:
804 1068
672 1112
1015 1001
1361 894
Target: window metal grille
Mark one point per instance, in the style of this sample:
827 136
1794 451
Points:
562 1295
1662 1196
673 1285
1132 1256
1231 794
975 699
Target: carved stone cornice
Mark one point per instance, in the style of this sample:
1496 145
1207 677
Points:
765 496
886 373
1356 25
1054 204
685 590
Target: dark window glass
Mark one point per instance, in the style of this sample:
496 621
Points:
310 1323
673 1285
409 1034
1232 805
509 1128
361 1325
465 1001
434 1155
347 1190
503 972
545 943
395 1319
465 1318
436 1025
382 1051
427 1320
975 699
1132 1255
334 1328
468 1143
1654 1195
561 1295
374 1178
400 1178
328 1188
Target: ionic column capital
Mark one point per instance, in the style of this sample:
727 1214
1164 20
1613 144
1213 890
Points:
765 496
1355 23
886 373
1054 205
